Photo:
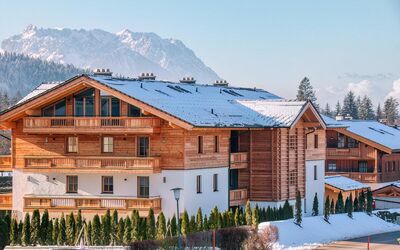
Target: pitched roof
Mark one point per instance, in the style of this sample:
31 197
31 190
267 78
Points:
370 130
202 105
344 183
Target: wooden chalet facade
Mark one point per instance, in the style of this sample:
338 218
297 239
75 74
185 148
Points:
96 142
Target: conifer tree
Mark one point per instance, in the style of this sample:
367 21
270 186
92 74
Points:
249 220
89 233
62 236
206 224
120 232
299 213
185 227
365 110
379 113
369 202
305 91
315 209
327 111
236 217
332 209
350 206
255 217
128 231
114 227
361 201
7 226
327 209
106 228
355 205
350 105
338 109
70 229
143 229
286 210
173 226
96 231
339 204
231 222
43 232
79 223
168 233
135 225
35 227
56 230
20 232
192 224
3 233
49 236
346 205
219 220
151 225
161 227
14 232
199 220
391 110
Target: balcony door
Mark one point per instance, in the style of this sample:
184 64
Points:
143 146
84 103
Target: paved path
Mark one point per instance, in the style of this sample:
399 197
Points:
384 241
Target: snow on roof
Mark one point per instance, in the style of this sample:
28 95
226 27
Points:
375 186
370 130
38 90
344 183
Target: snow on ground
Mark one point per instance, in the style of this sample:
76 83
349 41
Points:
315 231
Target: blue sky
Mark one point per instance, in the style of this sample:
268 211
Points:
339 45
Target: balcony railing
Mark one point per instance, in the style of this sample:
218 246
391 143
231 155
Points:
91 124
239 160
5 162
359 176
343 152
6 201
90 203
91 163
237 197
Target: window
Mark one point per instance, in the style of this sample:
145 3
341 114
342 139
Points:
107 184
200 144
198 184
293 177
143 186
57 109
315 173
84 103
315 141
363 166
341 141
72 184
351 143
134 111
215 182
233 179
332 167
108 144
143 146
72 144
216 144
292 142
110 106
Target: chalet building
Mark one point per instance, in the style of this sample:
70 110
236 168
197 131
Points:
387 195
366 151
336 183
95 142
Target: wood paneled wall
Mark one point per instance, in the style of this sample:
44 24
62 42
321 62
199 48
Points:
313 153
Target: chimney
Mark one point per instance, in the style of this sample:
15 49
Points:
102 72
348 117
222 83
189 80
339 118
146 76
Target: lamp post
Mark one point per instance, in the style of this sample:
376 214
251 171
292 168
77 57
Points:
177 194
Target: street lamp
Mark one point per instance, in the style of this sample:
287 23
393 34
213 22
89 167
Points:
177 194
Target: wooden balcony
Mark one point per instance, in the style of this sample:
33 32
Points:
343 153
239 160
5 163
135 165
237 197
359 176
70 203
6 201
66 125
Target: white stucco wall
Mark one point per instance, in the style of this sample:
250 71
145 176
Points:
314 186
126 185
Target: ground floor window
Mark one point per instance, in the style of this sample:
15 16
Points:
107 184
72 184
198 184
143 186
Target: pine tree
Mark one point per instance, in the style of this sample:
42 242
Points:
339 204
248 214
379 114
20 232
192 224
3 233
151 225
237 219
369 202
79 223
161 226
114 227
14 232
346 205
173 226
135 225
350 105
106 228
49 236
332 208
96 231
185 227
7 226
350 206
327 111
327 209
286 210
43 232
338 109
206 225
70 229
361 201
89 233
355 205
199 220
315 210
305 91
365 110
62 236
299 213
255 217
56 229
143 229
35 227
231 221
120 232
391 110
128 231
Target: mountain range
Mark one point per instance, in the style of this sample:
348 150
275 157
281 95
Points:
127 53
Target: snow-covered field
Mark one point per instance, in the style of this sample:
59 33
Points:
315 231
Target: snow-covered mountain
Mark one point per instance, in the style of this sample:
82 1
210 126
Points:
126 52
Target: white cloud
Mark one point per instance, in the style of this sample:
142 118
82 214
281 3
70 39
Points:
395 91
361 88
